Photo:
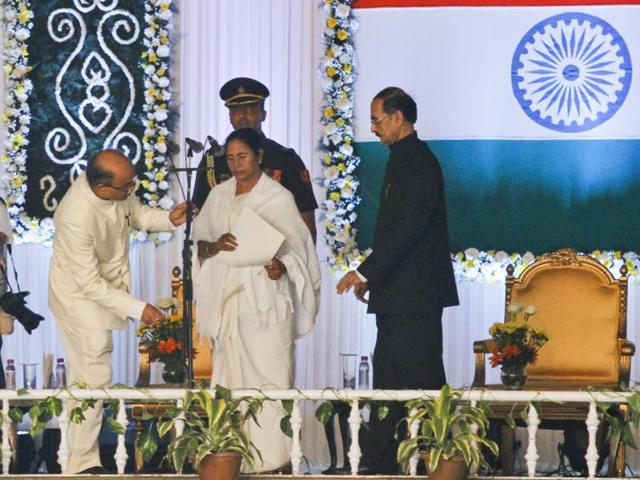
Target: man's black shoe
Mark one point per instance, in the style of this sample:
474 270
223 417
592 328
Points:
97 470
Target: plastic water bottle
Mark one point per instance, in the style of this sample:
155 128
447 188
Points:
363 373
10 375
61 373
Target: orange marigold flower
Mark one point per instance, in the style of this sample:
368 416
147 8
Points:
511 350
169 345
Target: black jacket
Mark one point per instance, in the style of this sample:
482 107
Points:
410 267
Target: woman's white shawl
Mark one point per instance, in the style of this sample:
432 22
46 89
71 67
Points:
276 205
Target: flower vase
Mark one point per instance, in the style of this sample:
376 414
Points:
513 377
173 373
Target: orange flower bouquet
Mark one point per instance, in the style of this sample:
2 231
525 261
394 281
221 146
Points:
164 339
516 342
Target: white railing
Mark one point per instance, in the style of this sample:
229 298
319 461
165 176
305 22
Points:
354 397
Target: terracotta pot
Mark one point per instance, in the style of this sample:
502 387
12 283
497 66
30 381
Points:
453 469
220 466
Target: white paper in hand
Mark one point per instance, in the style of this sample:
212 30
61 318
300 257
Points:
258 241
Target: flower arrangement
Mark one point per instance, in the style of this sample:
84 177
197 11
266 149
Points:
16 117
339 159
516 342
156 62
475 265
164 339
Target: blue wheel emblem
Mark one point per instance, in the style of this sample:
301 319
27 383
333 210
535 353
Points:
571 72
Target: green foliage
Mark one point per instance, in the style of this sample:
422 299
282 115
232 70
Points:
212 424
446 430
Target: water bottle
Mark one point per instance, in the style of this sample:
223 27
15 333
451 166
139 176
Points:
61 373
363 373
10 375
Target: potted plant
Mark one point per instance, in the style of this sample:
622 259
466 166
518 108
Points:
214 439
450 436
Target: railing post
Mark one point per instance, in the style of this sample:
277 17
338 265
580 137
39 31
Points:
592 451
6 448
296 448
532 450
474 443
414 428
355 420
63 424
121 451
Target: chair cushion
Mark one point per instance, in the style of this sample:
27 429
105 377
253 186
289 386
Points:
580 311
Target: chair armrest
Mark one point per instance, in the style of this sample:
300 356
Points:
626 350
144 373
480 349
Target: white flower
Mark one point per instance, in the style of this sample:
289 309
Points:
514 308
165 203
161 115
149 32
22 34
471 253
346 149
163 185
501 256
161 147
163 51
153 187
163 82
150 69
342 11
530 310
528 258
343 103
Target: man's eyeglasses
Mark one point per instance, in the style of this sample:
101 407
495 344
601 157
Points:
375 121
127 188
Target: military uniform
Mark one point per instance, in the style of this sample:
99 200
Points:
280 163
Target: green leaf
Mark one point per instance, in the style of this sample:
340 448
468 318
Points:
287 406
22 391
285 426
114 426
76 415
147 444
16 414
510 421
383 411
324 411
164 427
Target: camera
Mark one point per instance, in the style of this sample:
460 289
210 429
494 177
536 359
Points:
15 305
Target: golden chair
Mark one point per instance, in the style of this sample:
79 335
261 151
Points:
202 362
584 310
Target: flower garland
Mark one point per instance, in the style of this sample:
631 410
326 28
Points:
17 118
474 265
155 189
157 97
340 183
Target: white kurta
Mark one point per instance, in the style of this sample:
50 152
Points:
252 319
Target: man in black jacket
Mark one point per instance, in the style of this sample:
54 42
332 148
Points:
409 274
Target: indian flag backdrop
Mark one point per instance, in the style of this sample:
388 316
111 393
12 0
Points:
532 108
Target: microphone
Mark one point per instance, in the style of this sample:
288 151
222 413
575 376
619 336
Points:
172 148
216 149
194 145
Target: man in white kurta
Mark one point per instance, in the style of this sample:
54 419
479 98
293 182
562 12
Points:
89 282
253 319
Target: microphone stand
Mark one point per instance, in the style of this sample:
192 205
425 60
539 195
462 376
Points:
187 279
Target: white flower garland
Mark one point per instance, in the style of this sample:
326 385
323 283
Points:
17 116
474 265
17 119
340 184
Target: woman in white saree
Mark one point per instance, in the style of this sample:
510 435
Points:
254 313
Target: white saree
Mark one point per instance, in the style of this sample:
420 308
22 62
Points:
253 320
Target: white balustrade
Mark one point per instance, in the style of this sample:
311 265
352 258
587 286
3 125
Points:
414 428
296 447
355 420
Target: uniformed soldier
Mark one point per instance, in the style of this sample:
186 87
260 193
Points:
244 97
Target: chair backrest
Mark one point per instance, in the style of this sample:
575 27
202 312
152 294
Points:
583 308
203 360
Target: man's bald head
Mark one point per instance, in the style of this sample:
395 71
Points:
105 166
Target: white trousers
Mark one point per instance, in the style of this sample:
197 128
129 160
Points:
89 361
